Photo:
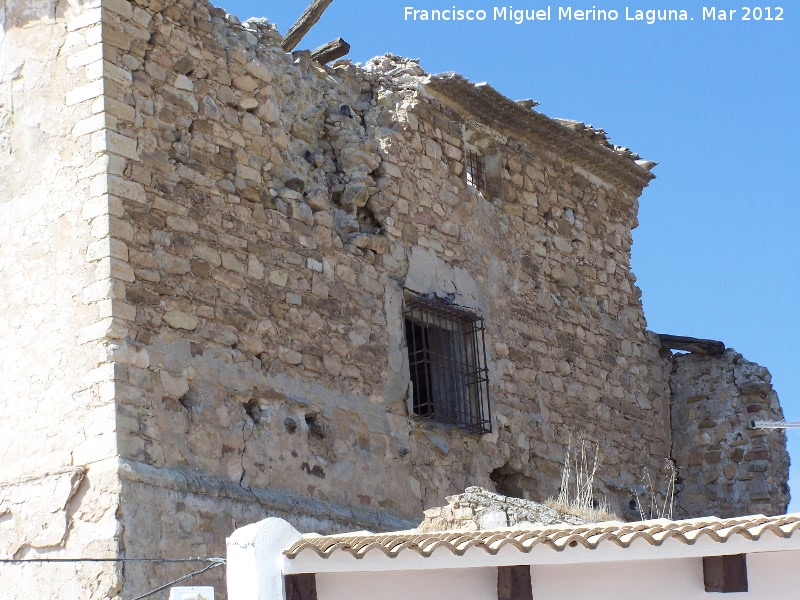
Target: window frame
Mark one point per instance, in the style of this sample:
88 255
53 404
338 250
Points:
486 145
446 349
475 168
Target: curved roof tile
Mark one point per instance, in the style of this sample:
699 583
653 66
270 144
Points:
558 538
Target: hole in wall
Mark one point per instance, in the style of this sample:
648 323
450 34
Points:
512 483
367 222
315 427
190 400
253 410
296 184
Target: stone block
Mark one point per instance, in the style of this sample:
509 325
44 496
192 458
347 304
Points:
180 320
85 92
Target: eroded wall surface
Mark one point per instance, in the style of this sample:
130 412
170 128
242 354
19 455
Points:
275 212
725 467
57 473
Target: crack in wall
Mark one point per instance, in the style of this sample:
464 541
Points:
38 512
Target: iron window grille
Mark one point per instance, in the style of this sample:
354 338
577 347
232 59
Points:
447 363
476 171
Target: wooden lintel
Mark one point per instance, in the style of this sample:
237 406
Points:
514 583
304 24
690 344
300 587
330 51
725 574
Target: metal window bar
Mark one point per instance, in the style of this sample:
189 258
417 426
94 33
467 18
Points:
476 176
419 363
447 363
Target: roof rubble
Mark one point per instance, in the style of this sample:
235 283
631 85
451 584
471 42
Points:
600 136
403 69
478 509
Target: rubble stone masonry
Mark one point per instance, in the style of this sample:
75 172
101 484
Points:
201 302
275 210
726 468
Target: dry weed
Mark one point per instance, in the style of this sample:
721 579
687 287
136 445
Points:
576 496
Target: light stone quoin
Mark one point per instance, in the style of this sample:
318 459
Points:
202 304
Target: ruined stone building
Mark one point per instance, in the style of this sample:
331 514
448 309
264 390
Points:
236 282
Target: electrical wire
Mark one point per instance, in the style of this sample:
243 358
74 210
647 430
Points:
184 578
215 562
113 560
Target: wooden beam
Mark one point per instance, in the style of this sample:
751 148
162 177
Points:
690 344
514 583
725 574
306 21
300 587
330 51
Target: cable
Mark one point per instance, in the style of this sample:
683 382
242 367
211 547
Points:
215 562
185 577
116 560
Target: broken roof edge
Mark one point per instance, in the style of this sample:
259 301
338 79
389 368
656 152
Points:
564 138
596 542
586 147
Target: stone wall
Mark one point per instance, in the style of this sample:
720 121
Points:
223 249
726 468
58 492
277 209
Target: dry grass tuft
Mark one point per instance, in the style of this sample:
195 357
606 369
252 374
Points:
659 508
576 496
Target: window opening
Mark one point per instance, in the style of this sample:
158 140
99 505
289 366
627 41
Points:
476 170
447 363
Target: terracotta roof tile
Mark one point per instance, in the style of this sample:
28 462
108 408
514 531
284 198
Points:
558 538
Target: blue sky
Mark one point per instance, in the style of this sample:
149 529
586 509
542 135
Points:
713 102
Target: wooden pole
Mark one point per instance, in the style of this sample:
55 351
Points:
306 21
689 344
331 51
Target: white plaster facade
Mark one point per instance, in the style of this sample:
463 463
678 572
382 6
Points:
770 574
477 583
657 566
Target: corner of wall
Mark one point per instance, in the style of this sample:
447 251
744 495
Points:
61 308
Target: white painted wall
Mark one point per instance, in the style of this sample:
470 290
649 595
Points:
256 566
774 575
464 584
677 579
770 577
255 560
